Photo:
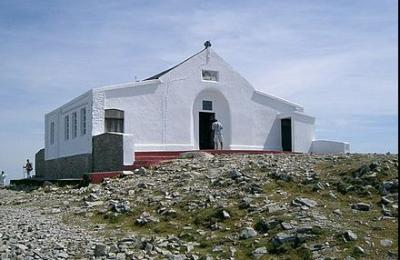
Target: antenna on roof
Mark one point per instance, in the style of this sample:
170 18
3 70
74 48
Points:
207 44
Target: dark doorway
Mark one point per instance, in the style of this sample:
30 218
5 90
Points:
205 122
286 132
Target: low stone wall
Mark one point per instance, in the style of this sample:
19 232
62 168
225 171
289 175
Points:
107 155
66 167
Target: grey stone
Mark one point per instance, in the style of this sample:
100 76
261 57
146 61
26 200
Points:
306 202
234 174
120 206
100 250
338 212
276 208
248 232
245 203
284 237
361 206
386 242
359 250
350 235
194 155
265 225
286 226
258 252
225 214
385 200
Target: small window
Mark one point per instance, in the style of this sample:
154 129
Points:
52 129
114 120
210 75
74 125
207 105
83 121
66 127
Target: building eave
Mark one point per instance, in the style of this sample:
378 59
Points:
297 107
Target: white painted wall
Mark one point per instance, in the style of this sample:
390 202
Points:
303 132
82 143
250 118
162 114
143 112
330 147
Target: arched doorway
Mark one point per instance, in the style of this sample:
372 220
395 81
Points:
208 104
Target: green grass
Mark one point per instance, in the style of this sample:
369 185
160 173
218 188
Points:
364 224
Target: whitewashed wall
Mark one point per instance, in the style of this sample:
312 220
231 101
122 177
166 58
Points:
250 118
330 147
303 127
82 143
162 114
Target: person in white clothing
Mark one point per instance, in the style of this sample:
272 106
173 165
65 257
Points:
3 179
217 135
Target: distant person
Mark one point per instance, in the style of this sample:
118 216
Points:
28 167
3 179
217 134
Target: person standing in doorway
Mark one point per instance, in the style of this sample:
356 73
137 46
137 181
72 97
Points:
217 135
28 167
3 179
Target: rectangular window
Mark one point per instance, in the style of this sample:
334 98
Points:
83 121
52 132
210 75
66 127
207 105
74 125
114 120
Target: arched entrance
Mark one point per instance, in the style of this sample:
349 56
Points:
208 104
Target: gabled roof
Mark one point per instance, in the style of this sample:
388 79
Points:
157 76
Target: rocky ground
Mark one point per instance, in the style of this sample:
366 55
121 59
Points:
284 206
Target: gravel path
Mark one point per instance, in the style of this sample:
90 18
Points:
32 233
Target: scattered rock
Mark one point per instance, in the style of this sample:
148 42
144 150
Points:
247 232
361 206
304 201
234 174
350 235
258 252
386 242
100 250
195 155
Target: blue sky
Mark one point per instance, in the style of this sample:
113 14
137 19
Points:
336 58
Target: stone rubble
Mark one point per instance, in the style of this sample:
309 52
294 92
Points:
212 207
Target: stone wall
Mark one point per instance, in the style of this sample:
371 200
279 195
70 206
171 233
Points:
66 167
39 163
108 154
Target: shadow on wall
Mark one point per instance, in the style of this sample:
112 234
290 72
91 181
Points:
273 141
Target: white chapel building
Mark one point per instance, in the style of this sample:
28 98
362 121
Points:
171 111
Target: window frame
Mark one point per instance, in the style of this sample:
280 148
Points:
114 118
66 127
204 107
210 71
74 119
52 133
83 124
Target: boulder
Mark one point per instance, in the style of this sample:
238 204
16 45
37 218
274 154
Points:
247 232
